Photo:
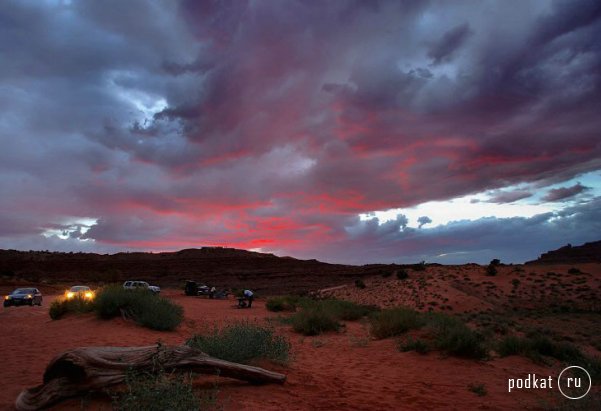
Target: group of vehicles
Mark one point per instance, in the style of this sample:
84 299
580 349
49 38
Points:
192 288
33 296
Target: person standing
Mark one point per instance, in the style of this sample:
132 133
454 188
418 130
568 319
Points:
249 297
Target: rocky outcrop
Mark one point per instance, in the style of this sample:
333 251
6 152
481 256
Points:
586 253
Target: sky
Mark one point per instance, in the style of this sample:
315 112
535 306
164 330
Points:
347 131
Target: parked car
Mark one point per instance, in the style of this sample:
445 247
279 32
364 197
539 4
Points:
23 296
193 288
137 285
80 291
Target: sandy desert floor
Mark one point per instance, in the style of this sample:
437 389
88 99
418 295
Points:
346 370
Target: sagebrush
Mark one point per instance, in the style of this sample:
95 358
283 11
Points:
145 308
243 342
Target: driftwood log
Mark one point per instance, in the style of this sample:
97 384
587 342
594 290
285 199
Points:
81 370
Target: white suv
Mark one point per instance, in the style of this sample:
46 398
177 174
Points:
136 285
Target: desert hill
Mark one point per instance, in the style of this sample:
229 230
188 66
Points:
223 267
586 253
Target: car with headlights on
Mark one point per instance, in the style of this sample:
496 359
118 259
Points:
23 296
80 291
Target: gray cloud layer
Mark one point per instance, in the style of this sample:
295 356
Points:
272 124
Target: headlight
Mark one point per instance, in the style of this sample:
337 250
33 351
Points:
29 296
89 294
7 297
70 294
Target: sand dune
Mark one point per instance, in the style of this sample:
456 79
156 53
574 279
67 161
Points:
346 370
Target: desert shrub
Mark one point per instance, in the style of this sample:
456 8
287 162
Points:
314 321
319 316
454 337
448 334
156 392
512 345
142 306
515 282
243 341
495 261
157 313
574 270
62 306
491 270
402 275
412 344
359 284
536 347
342 310
478 389
282 303
386 274
111 299
419 267
395 321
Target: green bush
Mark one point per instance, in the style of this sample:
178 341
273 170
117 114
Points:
157 392
402 275
142 306
158 313
62 306
283 303
455 337
491 270
359 284
536 347
412 344
319 316
314 321
342 310
395 321
478 389
111 299
449 334
242 342
512 345
419 267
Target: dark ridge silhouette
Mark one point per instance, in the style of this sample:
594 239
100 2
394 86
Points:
586 253
222 267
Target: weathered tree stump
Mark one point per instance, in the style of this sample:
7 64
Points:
81 370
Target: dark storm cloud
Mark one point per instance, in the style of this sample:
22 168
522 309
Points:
450 42
558 194
501 197
273 124
423 221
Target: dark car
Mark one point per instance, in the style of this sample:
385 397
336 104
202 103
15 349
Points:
23 296
193 288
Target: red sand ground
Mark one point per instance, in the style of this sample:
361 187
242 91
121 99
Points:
334 371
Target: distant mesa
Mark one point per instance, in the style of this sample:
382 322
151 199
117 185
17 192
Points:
219 266
586 253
